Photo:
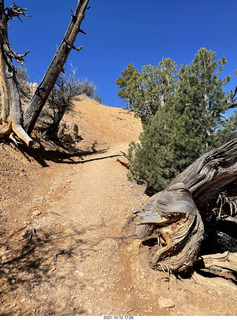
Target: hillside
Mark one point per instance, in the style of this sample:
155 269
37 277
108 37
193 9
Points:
102 124
63 249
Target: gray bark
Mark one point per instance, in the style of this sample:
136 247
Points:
177 229
170 223
11 112
35 106
211 175
13 123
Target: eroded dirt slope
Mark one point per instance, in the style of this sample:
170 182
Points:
63 249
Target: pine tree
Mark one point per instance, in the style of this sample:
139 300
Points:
146 91
185 126
200 95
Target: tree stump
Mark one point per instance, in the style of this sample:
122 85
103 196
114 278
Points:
170 224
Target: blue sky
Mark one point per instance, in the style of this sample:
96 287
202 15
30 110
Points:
120 32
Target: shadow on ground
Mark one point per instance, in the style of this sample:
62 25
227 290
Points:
45 151
38 264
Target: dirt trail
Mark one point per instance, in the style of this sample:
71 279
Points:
82 263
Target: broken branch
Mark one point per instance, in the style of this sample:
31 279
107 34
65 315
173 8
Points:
16 11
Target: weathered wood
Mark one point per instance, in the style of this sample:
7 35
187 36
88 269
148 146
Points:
177 229
11 121
35 106
169 224
220 264
211 174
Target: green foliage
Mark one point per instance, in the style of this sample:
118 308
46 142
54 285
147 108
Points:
166 148
185 125
228 126
145 92
200 94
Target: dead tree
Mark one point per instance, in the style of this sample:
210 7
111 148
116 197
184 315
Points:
13 122
11 114
170 224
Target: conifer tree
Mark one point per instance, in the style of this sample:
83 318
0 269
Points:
185 126
200 95
144 92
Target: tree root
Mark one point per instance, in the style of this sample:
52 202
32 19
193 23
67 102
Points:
11 129
5 129
20 132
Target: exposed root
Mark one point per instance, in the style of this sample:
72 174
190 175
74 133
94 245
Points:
13 138
5 129
20 132
10 129
123 163
220 264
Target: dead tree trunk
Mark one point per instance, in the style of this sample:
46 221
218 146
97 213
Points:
35 106
11 113
13 123
170 224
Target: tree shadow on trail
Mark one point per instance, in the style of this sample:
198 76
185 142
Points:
69 158
38 275
45 151
94 159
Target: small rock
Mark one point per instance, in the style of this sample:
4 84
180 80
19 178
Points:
4 258
6 271
81 274
134 246
89 288
166 302
3 250
36 213
52 270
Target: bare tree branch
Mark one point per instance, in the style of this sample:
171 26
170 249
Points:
16 11
223 116
11 112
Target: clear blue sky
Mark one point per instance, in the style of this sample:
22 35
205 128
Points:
120 32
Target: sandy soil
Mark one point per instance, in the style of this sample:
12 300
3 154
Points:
63 250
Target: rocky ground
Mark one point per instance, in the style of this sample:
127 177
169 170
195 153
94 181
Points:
63 249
